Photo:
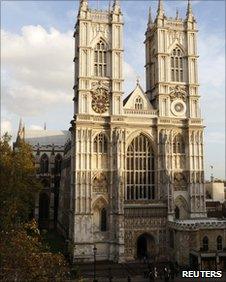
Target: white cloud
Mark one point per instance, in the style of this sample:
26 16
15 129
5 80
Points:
37 70
6 126
37 74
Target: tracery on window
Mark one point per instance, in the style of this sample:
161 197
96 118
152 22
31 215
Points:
100 144
100 59
177 73
44 164
139 103
140 170
178 144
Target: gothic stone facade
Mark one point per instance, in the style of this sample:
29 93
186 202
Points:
48 148
137 164
132 179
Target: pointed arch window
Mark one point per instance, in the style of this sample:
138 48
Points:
57 165
178 144
219 243
177 213
100 59
140 170
205 243
177 72
139 103
44 164
100 144
103 220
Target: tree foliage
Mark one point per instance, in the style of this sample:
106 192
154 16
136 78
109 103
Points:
23 254
18 183
25 258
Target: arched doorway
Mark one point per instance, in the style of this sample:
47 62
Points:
181 208
145 246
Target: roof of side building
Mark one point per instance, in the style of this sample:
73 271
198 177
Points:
47 137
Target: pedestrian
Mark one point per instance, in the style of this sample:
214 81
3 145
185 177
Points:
151 276
128 279
166 274
155 273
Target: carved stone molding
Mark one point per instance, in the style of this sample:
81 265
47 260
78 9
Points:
100 183
178 92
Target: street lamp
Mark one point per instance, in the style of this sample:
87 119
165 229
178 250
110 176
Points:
94 261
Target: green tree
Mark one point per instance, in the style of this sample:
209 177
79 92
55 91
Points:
23 255
18 183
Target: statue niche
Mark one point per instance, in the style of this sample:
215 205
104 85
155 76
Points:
100 183
180 182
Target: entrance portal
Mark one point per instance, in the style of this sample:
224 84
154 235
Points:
145 246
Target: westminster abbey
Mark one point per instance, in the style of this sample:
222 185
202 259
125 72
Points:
131 181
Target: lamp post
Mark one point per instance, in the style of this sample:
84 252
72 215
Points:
94 263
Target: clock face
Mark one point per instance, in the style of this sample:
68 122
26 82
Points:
100 101
178 107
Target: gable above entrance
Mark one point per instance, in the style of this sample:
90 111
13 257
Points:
137 100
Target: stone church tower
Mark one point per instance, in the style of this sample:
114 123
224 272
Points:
136 165
172 87
96 199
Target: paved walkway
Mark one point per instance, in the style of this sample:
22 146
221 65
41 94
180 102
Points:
121 272
141 279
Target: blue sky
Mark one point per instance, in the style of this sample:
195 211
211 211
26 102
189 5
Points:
37 68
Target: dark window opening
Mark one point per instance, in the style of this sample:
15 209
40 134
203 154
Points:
103 220
205 243
177 212
44 164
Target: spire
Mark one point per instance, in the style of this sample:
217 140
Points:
189 9
21 130
160 11
83 4
20 125
177 14
116 5
109 6
150 22
138 80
